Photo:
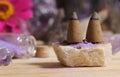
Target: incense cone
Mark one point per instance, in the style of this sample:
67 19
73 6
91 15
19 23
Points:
94 31
42 51
74 33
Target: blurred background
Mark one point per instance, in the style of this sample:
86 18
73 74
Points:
47 20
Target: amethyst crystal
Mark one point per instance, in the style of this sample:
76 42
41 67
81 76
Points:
114 39
44 14
5 57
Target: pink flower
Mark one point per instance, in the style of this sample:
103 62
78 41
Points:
13 10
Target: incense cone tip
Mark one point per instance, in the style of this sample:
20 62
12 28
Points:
74 16
95 16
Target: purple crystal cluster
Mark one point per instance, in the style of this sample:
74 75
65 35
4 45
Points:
5 57
44 14
114 39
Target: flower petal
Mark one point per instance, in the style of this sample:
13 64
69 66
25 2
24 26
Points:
25 14
2 24
11 21
21 4
16 25
16 29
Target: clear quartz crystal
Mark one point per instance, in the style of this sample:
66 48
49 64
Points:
5 57
27 43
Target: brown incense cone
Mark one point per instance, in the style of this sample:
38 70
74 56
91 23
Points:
94 31
42 51
74 32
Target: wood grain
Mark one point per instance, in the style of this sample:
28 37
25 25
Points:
50 67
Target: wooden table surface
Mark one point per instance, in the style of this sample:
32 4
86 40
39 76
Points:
50 67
